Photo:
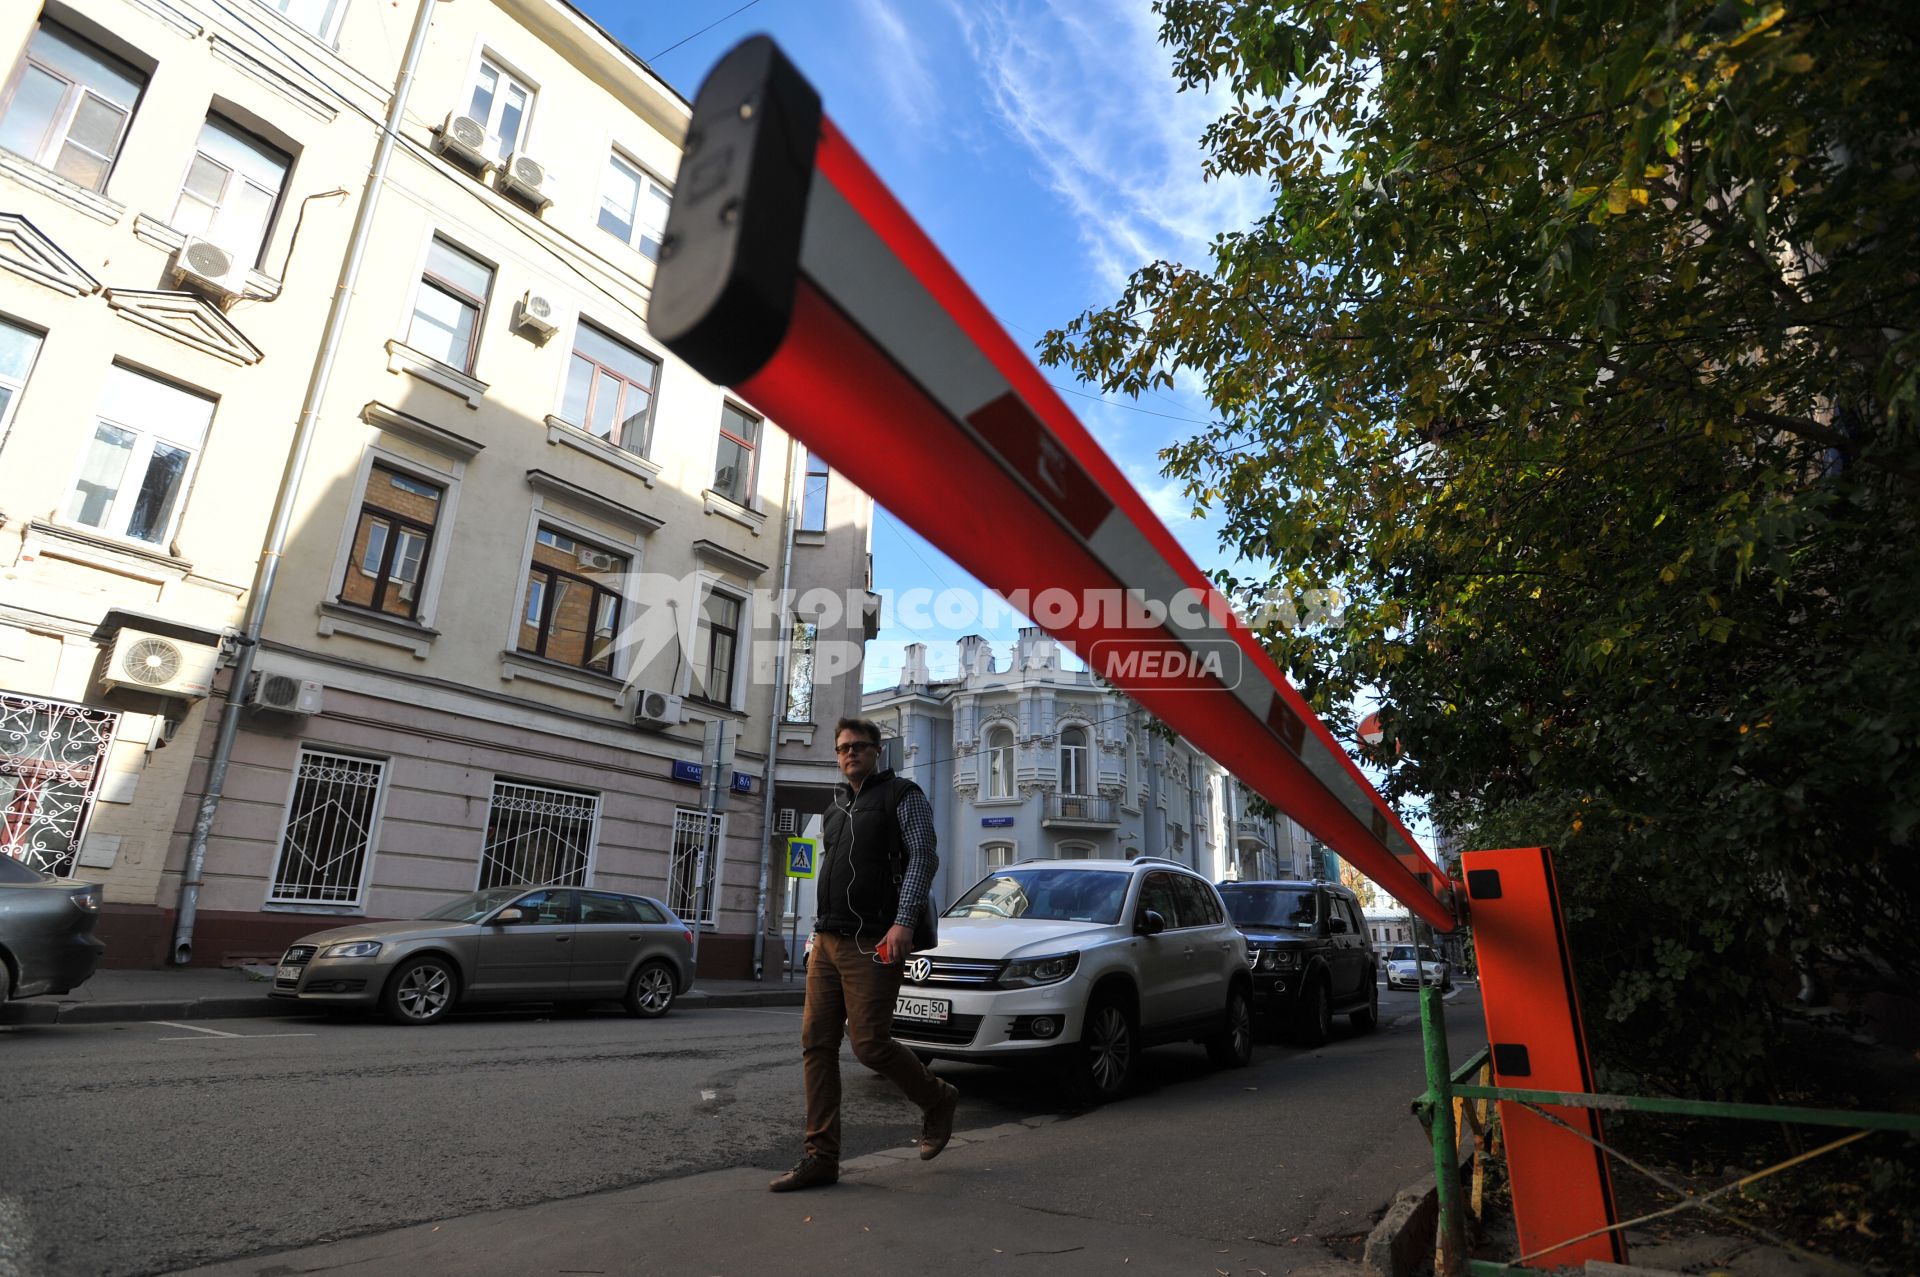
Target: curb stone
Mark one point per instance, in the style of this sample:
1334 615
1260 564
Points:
39 1013
1401 1244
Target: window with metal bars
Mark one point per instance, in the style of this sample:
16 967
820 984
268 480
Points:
537 835
328 840
694 832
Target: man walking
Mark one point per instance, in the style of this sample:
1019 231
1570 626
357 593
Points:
874 875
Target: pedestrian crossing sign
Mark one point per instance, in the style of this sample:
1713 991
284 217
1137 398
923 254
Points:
801 856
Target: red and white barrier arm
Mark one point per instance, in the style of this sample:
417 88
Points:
790 273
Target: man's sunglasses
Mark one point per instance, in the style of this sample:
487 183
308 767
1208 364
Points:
853 745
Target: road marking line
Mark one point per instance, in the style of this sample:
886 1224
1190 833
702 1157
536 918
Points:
763 1011
218 1033
244 1037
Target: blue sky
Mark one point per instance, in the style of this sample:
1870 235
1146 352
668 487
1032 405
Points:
1042 145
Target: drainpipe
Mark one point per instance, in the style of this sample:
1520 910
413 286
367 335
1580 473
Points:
783 640
276 543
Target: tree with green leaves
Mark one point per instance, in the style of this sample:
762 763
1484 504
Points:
1578 349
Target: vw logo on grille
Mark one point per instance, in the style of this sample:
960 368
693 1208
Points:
918 969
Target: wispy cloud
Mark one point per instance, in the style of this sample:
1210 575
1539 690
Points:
1087 91
898 61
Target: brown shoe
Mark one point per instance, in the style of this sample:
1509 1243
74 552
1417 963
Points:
937 1129
811 1171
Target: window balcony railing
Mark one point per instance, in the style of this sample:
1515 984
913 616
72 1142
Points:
1080 811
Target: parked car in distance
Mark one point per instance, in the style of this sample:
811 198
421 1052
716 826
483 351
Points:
505 944
1433 969
1311 956
47 943
1079 964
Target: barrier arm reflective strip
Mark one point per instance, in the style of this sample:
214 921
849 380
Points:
859 338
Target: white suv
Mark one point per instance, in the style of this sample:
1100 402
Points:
1081 963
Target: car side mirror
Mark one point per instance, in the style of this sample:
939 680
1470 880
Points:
1151 923
1337 926
512 913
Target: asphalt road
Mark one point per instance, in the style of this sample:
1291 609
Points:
143 1148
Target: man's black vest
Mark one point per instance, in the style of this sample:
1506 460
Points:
863 858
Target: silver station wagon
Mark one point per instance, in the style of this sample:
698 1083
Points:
506 944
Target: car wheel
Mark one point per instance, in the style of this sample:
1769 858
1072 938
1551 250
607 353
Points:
1315 1024
1103 1058
1232 1047
421 991
1365 1020
652 990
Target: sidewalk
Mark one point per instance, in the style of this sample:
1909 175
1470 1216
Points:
889 1213
208 993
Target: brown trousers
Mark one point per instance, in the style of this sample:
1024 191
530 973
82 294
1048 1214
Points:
846 987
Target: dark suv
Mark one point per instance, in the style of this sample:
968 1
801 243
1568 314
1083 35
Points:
1310 953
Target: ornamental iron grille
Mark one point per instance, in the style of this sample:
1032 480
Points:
538 836
51 761
693 831
329 834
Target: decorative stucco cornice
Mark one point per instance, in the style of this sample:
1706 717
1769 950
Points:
26 250
187 318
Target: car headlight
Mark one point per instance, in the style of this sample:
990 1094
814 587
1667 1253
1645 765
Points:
1051 969
87 899
353 949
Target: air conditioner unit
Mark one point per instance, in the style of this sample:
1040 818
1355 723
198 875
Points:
536 314
154 663
525 177
208 268
656 711
285 693
786 821
595 560
465 139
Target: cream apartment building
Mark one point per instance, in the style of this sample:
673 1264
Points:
532 559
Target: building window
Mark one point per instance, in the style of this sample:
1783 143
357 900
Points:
319 18
633 206
995 855
800 671
733 469
51 760
716 644
68 105
329 835
572 612
1000 762
695 833
1073 851
813 495
446 311
19 347
504 104
1073 760
538 836
392 543
232 189
146 436
610 390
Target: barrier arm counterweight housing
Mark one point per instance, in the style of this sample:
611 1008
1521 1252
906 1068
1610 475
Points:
790 273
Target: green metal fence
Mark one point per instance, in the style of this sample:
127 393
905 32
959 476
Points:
1451 1097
